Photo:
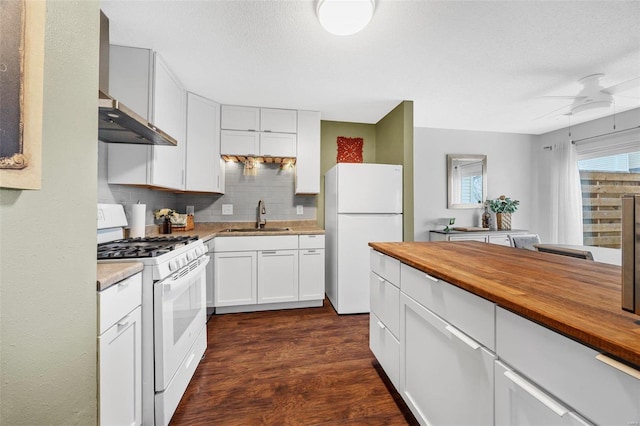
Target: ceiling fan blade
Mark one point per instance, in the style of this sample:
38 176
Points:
562 97
623 87
567 107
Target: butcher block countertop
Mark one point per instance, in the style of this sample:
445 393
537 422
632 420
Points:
111 273
578 298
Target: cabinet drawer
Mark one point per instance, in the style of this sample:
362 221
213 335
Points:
480 238
385 302
118 300
520 402
311 241
386 349
257 243
385 266
501 240
568 370
472 314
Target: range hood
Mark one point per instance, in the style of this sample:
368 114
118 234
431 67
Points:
116 122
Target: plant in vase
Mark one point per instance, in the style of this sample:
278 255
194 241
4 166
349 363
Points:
503 207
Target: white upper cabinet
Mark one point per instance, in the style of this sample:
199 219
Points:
308 153
240 118
278 120
204 167
266 132
140 79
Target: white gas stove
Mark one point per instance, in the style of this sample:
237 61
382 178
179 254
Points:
173 308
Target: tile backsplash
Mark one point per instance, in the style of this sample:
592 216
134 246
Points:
272 185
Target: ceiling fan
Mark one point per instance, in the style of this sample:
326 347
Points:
593 95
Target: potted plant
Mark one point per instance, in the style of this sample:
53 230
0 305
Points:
503 207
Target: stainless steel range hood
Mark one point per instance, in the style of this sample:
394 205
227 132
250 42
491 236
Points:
116 122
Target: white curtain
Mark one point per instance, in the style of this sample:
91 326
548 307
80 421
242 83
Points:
566 195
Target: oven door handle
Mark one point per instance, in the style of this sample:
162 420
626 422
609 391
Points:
184 280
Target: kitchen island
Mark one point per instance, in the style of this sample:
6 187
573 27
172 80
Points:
551 322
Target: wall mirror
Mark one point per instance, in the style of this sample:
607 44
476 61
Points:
467 181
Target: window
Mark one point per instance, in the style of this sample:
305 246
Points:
605 179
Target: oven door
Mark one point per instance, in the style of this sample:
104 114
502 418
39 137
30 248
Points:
179 315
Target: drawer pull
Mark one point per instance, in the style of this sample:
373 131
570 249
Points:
381 325
544 399
463 337
123 284
618 366
190 359
434 279
124 322
381 280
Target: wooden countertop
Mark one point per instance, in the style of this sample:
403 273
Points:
111 273
578 298
208 230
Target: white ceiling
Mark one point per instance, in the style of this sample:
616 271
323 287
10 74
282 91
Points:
474 65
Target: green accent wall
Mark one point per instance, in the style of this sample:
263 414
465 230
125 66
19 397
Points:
390 141
329 132
394 145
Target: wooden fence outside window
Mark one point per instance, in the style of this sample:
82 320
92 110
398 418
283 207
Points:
601 205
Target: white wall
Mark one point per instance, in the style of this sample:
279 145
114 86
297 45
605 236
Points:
541 160
508 170
48 241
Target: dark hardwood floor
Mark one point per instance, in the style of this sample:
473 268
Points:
290 367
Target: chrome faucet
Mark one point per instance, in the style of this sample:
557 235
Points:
262 210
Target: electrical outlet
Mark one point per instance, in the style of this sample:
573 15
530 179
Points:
227 209
299 209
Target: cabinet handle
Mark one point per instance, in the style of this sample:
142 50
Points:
463 337
269 252
124 321
381 325
545 399
434 279
123 284
381 280
618 366
190 359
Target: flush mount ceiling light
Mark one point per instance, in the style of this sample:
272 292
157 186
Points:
344 17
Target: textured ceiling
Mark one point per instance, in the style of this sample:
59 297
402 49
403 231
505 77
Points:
474 65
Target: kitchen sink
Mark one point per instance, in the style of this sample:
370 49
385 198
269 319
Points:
257 229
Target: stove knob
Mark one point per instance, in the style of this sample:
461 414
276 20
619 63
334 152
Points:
190 256
173 265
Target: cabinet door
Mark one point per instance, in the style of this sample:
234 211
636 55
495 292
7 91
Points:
130 82
445 376
278 144
233 142
120 372
277 276
167 168
502 240
235 278
308 153
521 403
204 167
386 349
240 118
278 120
311 274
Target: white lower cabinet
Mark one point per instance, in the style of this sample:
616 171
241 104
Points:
386 348
311 274
235 280
579 376
119 353
518 402
268 272
446 377
277 276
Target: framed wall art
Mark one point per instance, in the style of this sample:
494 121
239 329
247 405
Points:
22 26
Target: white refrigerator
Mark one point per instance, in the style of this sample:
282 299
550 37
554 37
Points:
363 203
